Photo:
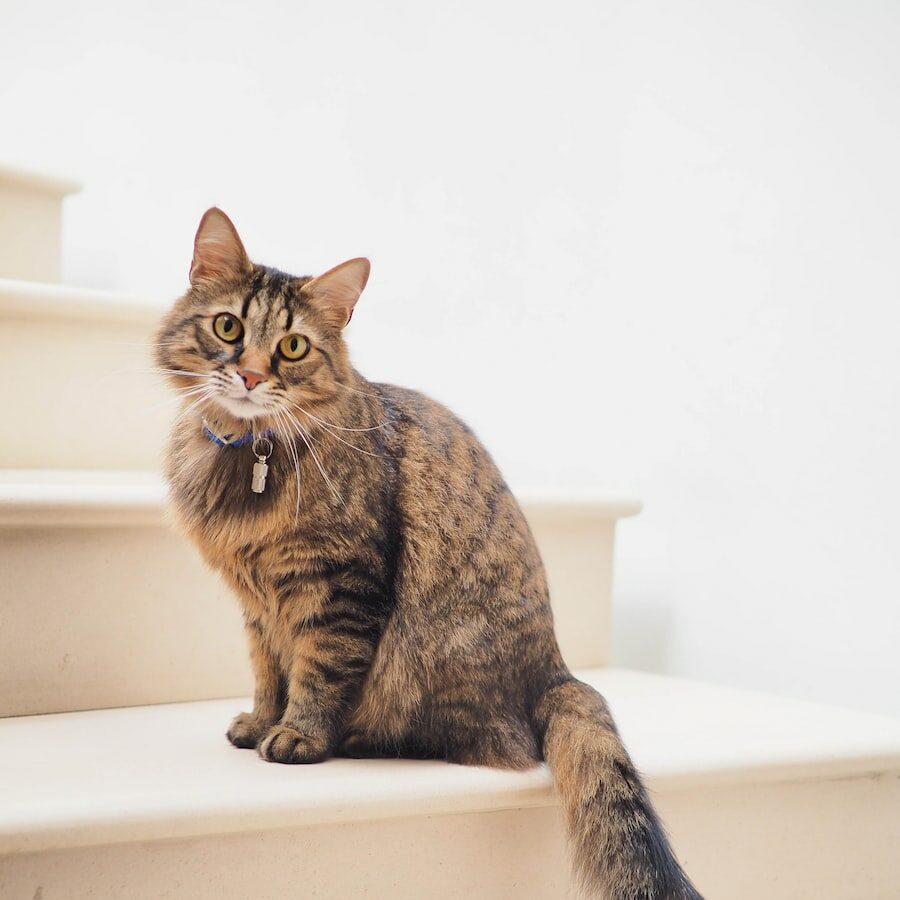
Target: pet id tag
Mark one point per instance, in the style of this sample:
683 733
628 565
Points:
260 469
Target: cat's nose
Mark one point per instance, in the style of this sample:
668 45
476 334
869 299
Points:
251 378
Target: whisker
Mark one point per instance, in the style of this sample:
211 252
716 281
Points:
332 424
337 437
293 449
355 391
185 372
189 388
307 440
144 345
184 394
205 395
155 371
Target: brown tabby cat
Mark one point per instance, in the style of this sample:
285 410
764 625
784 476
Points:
394 600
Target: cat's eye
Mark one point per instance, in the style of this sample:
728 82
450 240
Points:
294 346
228 328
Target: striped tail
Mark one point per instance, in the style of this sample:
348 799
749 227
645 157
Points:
619 847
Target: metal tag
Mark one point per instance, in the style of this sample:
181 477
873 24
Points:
260 470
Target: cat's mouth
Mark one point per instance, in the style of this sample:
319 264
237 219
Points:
242 407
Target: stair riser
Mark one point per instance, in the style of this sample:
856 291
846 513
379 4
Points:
794 841
30 225
97 617
89 399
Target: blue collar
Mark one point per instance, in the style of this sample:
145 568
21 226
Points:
227 441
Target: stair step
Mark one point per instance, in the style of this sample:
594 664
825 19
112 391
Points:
104 803
96 398
108 606
31 223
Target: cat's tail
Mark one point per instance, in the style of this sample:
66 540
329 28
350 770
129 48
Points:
619 847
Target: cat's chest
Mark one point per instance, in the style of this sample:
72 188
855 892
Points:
273 547
278 585
228 498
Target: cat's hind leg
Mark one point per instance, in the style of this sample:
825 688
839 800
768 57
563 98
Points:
479 735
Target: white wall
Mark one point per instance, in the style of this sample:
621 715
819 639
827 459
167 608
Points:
647 244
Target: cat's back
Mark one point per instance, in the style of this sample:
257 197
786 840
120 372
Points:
470 592
420 417
457 508
440 457
426 427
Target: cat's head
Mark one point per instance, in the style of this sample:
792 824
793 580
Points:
250 343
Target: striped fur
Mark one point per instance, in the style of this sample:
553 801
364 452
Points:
404 612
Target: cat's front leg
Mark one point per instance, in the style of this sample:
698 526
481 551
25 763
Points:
331 656
247 729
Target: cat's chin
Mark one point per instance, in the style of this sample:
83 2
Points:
242 409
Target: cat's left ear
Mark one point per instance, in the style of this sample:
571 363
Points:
337 291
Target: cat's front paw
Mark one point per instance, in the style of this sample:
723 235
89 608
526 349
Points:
246 730
284 744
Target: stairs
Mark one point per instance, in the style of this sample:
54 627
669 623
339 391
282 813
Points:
96 404
152 801
105 625
115 776
31 224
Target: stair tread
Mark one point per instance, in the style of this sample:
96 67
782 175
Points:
47 300
64 496
41 182
152 772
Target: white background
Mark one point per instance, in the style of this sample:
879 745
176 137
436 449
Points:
648 245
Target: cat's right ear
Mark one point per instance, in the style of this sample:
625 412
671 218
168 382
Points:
219 254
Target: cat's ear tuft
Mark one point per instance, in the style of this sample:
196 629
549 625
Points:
219 254
337 291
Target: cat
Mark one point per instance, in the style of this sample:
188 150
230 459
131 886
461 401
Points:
394 600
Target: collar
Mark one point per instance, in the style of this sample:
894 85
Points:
229 440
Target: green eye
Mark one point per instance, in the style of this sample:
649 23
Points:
228 328
294 346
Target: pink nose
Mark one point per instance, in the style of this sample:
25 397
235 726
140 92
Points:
251 378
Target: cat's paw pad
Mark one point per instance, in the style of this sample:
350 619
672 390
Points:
284 744
246 730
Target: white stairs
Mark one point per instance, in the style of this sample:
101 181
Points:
122 662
